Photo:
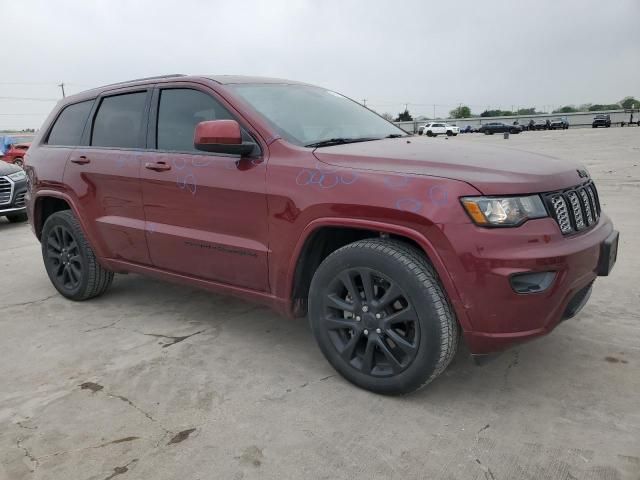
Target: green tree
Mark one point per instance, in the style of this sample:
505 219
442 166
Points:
404 116
387 116
598 106
527 111
460 112
630 102
566 109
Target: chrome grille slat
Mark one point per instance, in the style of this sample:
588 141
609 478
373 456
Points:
575 209
587 206
6 191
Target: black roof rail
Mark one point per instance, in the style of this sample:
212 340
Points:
157 77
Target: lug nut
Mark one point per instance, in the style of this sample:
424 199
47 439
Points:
365 308
378 316
357 318
366 332
378 330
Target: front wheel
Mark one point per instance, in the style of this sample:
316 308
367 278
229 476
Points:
380 316
449 133
429 133
69 259
18 162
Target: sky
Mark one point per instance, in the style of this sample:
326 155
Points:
485 54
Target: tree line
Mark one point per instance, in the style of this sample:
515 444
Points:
463 111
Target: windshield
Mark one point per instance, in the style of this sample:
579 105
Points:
305 115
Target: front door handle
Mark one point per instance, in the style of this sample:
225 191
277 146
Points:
157 166
82 160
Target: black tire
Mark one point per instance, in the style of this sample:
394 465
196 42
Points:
69 259
449 133
403 286
429 133
17 218
455 134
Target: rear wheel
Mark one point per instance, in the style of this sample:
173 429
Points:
381 317
69 260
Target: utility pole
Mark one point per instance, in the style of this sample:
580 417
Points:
62 87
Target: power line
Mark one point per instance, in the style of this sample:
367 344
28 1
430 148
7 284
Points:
31 99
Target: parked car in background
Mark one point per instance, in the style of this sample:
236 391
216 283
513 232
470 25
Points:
391 249
499 127
13 188
13 148
439 128
468 129
559 124
538 125
601 120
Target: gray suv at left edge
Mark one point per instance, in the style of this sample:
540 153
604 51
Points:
13 188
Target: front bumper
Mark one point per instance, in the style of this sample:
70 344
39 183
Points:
483 261
16 203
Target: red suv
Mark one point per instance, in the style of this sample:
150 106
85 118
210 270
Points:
297 197
15 149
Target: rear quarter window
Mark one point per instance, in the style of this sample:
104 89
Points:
119 121
68 127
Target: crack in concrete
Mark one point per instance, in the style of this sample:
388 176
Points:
93 447
28 454
488 474
121 470
174 339
32 302
103 327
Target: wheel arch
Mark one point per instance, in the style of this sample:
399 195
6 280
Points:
311 250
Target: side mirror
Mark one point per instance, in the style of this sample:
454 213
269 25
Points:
221 136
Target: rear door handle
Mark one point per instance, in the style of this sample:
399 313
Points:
157 167
82 160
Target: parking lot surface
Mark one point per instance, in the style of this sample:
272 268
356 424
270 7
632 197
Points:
157 381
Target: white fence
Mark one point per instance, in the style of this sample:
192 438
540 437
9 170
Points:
580 119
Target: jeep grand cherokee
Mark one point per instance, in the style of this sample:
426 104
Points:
297 197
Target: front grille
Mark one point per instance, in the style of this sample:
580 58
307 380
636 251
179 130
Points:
6 190
575 209
19 200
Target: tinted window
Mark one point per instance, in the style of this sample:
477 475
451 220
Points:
68 127
119 121
179 112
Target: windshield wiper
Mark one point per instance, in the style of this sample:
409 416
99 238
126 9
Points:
338 141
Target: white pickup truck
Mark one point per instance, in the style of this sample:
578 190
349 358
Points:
439 128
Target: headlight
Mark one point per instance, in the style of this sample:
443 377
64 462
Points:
505 211
18 176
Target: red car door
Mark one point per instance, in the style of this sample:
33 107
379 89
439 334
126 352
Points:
206 213
104 174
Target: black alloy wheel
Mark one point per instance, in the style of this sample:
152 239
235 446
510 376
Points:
371 322
63 254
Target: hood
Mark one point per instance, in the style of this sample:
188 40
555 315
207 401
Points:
8 168
492 170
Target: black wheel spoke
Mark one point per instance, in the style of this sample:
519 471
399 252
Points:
75 272
347 281
402 343
368 356
339 323
349 348
54 244
367 284
396 366
407 314
340 304
390 296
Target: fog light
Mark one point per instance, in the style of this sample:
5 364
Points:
533 282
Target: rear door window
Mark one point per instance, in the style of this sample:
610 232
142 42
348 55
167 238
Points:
179 111
67 130
119 121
